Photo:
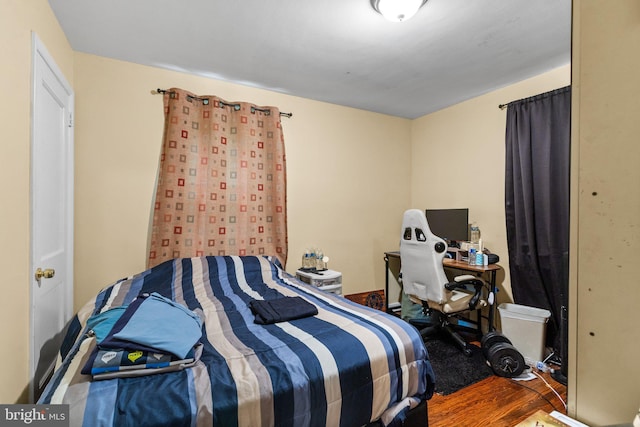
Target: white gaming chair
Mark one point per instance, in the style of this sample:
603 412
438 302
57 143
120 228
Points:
424 281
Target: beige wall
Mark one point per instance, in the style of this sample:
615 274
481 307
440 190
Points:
347 173
18 18
457 160
604 373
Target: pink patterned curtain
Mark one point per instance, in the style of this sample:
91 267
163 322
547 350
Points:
222 180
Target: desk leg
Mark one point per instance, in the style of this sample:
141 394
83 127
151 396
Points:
492 307
479 322
386 284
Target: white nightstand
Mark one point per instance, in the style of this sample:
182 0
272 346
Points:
327 280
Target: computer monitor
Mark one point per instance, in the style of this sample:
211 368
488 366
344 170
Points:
451 225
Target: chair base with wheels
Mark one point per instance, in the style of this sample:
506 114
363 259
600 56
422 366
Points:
438 325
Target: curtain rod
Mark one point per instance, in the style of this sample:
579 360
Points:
536 97
228 104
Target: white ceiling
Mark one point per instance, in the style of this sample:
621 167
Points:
338 51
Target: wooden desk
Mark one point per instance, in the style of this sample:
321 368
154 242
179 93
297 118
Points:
479 270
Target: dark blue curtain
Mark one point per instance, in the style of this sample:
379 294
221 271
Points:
537 204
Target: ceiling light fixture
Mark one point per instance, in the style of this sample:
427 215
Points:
397 10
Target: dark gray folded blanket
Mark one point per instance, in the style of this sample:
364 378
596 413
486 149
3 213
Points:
281 310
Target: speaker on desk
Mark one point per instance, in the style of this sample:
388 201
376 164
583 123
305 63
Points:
493 258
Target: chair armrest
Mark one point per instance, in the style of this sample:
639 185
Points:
453 285
462 282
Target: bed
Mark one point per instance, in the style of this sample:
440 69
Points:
347 365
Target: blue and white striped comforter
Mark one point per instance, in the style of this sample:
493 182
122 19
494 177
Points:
346 366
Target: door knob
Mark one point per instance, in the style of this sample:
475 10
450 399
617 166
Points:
47 273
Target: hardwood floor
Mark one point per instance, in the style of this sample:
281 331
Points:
496 402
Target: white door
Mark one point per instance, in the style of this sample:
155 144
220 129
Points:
51 214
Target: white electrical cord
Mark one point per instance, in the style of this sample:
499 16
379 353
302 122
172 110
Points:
548 357
552 389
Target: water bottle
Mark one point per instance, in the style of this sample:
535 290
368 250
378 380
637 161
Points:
541 366
472 256
312 258
318 260
475 233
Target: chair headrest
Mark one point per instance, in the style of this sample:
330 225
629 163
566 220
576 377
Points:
421 254
415 221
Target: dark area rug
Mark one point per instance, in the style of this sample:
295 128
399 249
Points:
453 369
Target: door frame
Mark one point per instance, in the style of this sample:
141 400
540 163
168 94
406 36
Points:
39 50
